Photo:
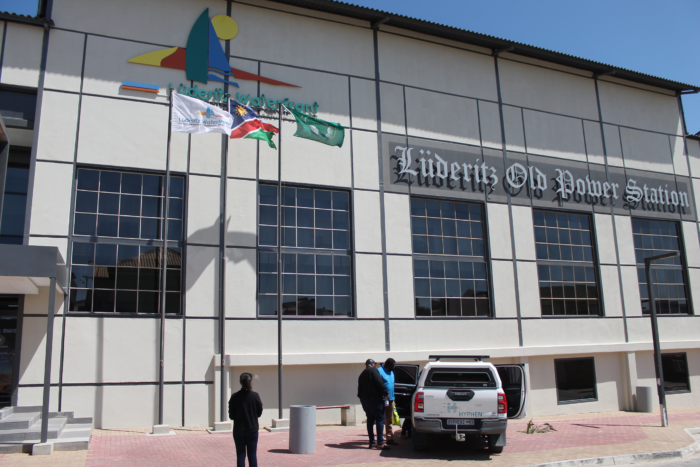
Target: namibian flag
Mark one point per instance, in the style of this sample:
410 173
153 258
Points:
247 124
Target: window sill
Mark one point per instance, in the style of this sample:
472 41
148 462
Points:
577 401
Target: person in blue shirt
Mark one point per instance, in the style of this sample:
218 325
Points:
386 370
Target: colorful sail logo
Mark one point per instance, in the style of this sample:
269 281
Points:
204 60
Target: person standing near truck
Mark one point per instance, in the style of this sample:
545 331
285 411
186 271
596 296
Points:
372 392
387 373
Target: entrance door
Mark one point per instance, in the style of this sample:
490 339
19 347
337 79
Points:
513 381
405 381
9 307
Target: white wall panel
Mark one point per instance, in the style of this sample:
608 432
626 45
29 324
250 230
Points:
605 239
572 331
393 111
504 289
178 152
458 122
205 154
367 222
627 106
203 210
364 104
241 218
499 231
201 343
646 151
613 145
630 290
680 162
33 354
106 66
306 161
137 136
365 160
398 223
64 62
413 62
625 243
400 282
243 157
610 283
202 288
58 126
554 136
370 286
245 337
513 124
594 142
453 335
241 282
51 200
59 242
34 397
696 190
529 289
490 125
174 344
22 54
694 156
540 88
200 405
524 232
691 244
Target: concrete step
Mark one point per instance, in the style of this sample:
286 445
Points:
77 430
19 421
32 408
56 426
6 412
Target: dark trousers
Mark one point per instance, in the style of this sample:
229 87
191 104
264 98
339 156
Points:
246 441
374 409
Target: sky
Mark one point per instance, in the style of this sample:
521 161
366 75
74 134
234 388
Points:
657 38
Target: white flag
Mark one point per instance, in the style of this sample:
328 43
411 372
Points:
196 116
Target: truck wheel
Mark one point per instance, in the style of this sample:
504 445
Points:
419 441
493 439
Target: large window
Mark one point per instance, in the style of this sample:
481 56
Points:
565 264
116 263
675 368
653 238
575 379
449 259
316 252
15 199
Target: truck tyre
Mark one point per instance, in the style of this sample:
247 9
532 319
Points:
419 440
493 439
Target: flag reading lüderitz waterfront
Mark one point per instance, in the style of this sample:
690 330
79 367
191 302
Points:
196 116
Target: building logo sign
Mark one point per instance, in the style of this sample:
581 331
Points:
204 60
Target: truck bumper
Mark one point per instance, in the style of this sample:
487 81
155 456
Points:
435 426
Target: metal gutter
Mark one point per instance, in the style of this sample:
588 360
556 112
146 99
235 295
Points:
24 19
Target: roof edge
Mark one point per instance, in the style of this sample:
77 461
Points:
24 19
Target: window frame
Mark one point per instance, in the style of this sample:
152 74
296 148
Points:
137 242
595 381
349 252
595 263
687 371
457 258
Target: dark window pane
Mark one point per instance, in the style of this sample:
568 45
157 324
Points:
128 255
110 181
177 187
150 228
341 220
477 247
422 307
80 300
289 236
172 278
437 269
323 219
480 271
288 196
268 195
323 199
324 285
450 246
149 279
175 210
468 307
324 239
85 224
127 278
341 200
437 287
420 268
289 263
81 276
417 207
341 285
83 253
305 264
343 306
422 288
452 269
103 300
420 244
675 369
438 307
305 217
107 226
268 262
454 307
477 230
148 302
482 308
324 306
432 208
306 284
153 185
435 245
106 255
305 238
86 201
129 227
267 305
419 226
131 183
88 179
452 288
174 229
461 211
289 284
289 305
150 206
575 379
305 197
306 306
324 264
172 302
289 218
447 209
341 240
434 227
475 212
126 301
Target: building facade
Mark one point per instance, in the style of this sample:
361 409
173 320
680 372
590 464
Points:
490 198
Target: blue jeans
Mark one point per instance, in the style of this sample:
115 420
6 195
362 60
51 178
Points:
246 441
374 408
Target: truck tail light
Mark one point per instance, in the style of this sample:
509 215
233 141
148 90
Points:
418 404
502 403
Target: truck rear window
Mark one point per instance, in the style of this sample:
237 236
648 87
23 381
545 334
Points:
460 378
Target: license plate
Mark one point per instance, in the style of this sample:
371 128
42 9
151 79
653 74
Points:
460 421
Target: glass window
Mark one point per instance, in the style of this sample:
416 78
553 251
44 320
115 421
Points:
312 283
566 264
653 238
576 381
449 259
675 368
109 274
15 196
18 108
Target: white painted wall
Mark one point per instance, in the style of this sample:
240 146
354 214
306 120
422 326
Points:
554 136
400 282
22 55
646 151
370 286
572 331
241 282
59 126
457 122
51 200
498 221
365 160
397 223
367 222
241 216
203 210
64 62
202 283
503 300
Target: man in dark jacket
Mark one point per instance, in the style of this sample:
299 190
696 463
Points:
372 392
244 408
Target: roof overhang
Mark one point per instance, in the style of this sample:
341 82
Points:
375 18
25 268
24 19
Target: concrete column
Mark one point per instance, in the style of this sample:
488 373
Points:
629 380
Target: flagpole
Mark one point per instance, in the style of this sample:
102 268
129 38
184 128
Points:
279 266
161 379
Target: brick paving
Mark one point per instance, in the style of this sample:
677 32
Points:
577 436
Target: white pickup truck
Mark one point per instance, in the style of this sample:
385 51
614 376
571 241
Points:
460 396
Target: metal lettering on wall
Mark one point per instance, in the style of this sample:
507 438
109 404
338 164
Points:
543 179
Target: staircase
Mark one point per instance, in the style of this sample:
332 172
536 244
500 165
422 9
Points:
20 428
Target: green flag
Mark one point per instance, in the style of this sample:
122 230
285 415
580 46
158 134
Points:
319 130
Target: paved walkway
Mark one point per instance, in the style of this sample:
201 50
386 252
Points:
577 436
